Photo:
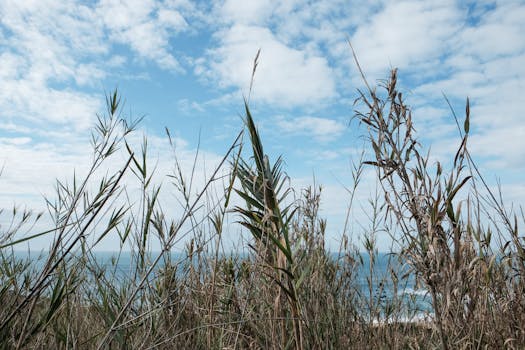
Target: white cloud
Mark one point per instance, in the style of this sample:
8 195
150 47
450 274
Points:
15 140
40 105
326 155
246 12
30 168
49 36
404 34
322 129
499 32
470 49
513 196
45 45
504 146
188 107
146 26
285 76
485 61
54 52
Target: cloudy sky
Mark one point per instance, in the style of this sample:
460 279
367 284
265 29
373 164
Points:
186 66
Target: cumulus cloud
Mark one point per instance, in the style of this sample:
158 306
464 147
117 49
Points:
285 76
404 34
146 26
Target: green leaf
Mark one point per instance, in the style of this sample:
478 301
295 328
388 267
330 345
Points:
466 125
458 187
251 201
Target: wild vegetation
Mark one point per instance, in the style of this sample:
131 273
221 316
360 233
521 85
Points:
452 236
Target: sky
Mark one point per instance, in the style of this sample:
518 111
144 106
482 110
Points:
186 66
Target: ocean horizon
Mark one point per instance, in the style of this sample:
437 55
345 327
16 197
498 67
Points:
374 286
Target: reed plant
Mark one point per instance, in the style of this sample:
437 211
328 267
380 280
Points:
281 289
446 241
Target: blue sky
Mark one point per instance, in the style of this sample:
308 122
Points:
186 66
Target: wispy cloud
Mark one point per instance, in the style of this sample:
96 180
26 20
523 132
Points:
188 107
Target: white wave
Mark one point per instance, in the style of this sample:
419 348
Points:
410 291
424 317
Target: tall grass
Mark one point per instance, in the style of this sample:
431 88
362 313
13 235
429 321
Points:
287 291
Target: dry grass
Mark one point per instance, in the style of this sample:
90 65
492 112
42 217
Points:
288 292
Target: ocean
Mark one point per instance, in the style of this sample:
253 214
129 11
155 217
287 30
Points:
388 284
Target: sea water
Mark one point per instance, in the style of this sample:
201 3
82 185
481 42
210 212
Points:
385 281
